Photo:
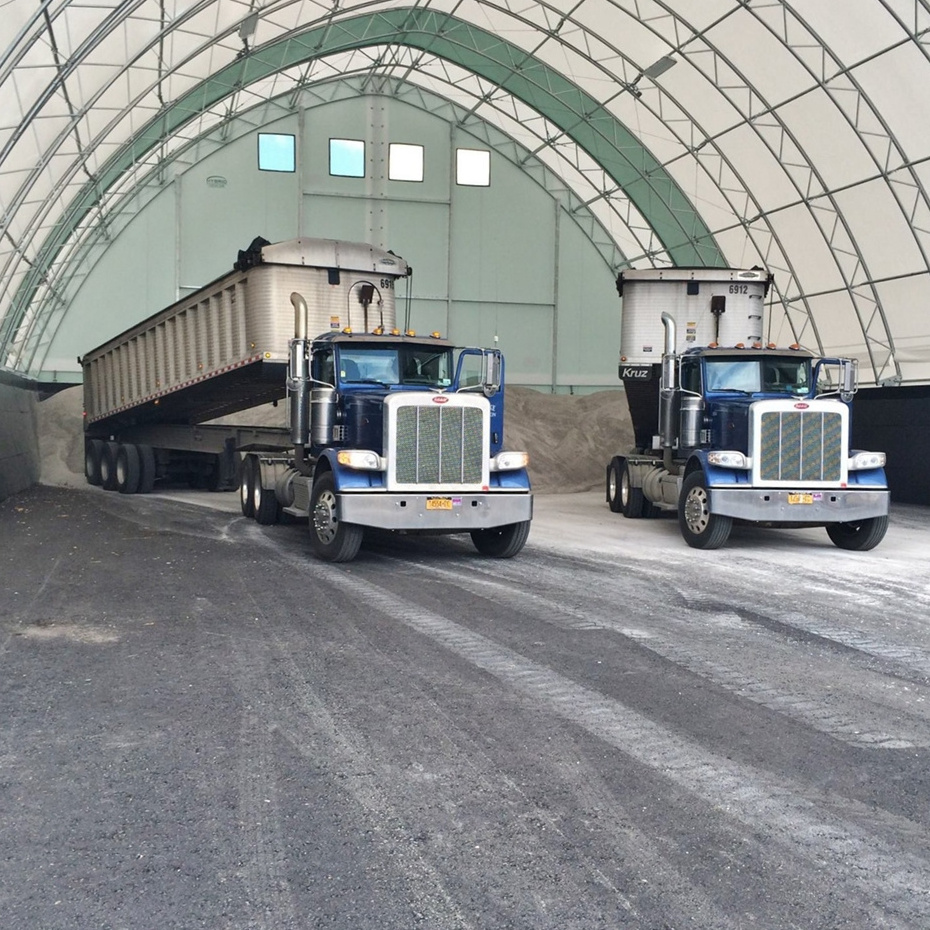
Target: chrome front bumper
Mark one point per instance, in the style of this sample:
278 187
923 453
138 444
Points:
464 512
763 505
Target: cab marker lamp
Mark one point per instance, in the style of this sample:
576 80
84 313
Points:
509 461
864 460
360 458
728 459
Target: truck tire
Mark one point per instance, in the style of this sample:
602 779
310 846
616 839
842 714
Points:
146 469
632 501
501 542
700 528
247 486
265 505
128 469
108 466
860 536
613 483
330 538
93 452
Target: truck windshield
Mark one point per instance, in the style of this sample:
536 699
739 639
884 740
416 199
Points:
767 374
404 364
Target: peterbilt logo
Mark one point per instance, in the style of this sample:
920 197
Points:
801 406
440 399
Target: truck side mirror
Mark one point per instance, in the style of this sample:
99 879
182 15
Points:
850 378
491 372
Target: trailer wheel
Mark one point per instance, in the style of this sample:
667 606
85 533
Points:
501 542
265 505
146 469
93 452
859 536
331 539
613 483
128 469
700 528
108 465
246 486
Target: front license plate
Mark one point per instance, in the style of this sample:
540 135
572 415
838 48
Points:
800 498
438 503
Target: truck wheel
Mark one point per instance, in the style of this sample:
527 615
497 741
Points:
264 501
108 466
859 536
93 452
501 542
331 539
613 483
128 469
700 528
632 501
146 469
247 486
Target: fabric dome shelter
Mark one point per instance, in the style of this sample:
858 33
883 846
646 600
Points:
784 133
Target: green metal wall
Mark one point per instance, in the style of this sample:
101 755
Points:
502 263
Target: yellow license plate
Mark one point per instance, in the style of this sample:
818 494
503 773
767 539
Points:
438 503
800 498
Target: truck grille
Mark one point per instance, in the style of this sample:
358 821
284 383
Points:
801 446
439 444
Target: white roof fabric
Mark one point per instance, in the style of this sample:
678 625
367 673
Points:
792 134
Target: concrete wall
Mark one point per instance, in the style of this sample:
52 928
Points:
19 442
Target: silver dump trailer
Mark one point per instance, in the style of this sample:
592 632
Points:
384 428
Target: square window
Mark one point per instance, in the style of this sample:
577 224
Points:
347 158
405 162
277 152
473 167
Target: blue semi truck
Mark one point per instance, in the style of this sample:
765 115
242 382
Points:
385 429
730 428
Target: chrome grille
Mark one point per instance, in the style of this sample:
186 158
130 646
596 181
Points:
801 446
439 444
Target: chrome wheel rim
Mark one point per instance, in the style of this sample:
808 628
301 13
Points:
697 511
324 517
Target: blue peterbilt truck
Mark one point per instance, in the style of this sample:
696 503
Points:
385 429
730 428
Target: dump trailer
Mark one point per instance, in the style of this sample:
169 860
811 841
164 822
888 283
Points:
383 429
730 428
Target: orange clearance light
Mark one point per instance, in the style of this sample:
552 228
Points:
770 345
757 345
435 334
348 330
740 345
713 345
794 345
410 332
395 331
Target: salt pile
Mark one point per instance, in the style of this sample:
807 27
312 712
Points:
570 438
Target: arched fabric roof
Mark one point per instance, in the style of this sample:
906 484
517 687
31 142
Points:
788 133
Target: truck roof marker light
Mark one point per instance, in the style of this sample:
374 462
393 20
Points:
378 331
757 345
713 345
740 345
347 330
395 331
770 345
435 334
267 355
410 332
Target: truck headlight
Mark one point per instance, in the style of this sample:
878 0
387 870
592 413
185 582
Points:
509 461
728 459
863 460
360 458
